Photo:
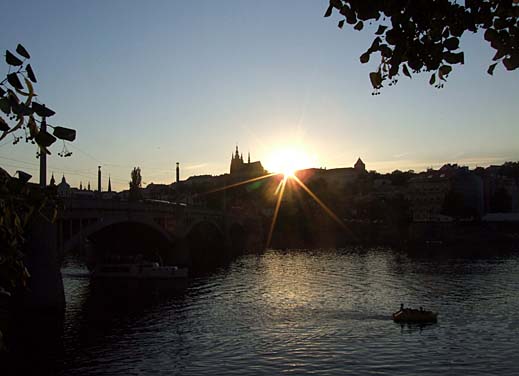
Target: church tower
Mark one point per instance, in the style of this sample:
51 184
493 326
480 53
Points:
236 162
360 166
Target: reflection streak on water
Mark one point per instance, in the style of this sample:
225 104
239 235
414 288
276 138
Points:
324 312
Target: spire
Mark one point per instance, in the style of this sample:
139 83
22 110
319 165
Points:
237 153
80 185
109 184
248 159
63 180
241 157
99 178
88 185
52 180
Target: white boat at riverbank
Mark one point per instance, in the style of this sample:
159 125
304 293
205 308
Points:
142 271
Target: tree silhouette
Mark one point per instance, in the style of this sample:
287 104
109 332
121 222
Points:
21 203
135 184
415 36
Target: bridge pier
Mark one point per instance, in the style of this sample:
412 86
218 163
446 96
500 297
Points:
45 286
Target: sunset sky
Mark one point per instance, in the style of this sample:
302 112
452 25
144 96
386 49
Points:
152 83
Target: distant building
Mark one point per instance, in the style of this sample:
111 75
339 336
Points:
469 186
241 169
63 188
494 185
335 177
428 192
359 166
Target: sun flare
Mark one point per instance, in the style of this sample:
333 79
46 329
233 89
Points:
287 160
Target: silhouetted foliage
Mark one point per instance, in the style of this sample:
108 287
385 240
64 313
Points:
424 35
135 185
20 202
400 178
23 114
510 169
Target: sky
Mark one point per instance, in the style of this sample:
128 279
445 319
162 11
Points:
152 83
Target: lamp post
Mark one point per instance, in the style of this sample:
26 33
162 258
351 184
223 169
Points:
43 157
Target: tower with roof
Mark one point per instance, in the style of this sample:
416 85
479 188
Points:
359 166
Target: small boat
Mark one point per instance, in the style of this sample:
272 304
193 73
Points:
143 271
408 315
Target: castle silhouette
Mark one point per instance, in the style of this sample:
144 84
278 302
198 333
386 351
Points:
242 169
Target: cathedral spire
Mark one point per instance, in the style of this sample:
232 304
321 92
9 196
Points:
248 159
109 184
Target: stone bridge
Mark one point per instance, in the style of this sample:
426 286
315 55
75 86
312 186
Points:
176 232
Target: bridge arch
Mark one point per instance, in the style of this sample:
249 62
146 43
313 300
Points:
130 232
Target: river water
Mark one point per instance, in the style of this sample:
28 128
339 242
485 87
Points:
297 312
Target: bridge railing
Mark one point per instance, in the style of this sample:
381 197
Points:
72 205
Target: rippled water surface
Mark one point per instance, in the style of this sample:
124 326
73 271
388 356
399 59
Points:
302 312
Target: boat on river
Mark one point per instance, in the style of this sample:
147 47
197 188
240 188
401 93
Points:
418 316
141 271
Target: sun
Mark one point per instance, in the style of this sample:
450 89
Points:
289 159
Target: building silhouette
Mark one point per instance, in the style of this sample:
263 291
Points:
241 169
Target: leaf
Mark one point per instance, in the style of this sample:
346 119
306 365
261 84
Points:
45 139
65 133
14 81
512 62
30 73
3 125
376 79
364 58
336 3
358 26
21 109
41 110
329 11
31 90
406 71
33 128
451 43
340 24
376 43
24 93
490 35
454 58
444 71
22 51
432 80
499 54
491 68
5 106
381 29
11 59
